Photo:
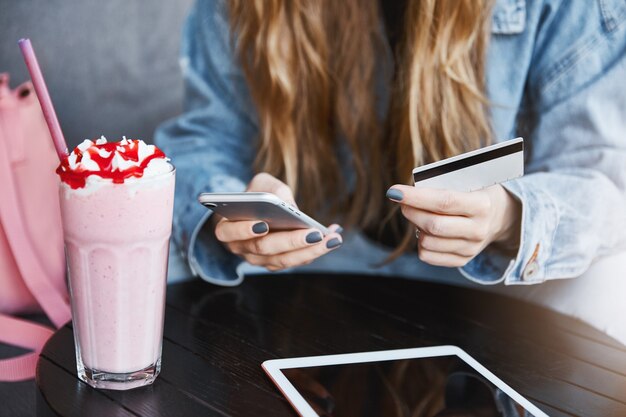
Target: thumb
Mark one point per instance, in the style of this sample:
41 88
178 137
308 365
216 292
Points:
267 183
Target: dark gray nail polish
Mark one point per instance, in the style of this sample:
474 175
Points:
314 237
339 230
260 228
333 243
394 194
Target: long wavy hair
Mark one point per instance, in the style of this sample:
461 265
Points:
312 68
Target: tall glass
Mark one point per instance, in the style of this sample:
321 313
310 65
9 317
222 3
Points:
116 243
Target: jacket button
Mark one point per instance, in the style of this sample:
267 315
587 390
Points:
531 270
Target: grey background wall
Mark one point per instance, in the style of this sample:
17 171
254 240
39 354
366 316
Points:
111 65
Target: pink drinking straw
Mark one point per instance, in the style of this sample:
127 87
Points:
44 97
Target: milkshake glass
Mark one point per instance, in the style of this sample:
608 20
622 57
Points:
117 227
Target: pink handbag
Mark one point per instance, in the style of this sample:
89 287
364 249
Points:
32 262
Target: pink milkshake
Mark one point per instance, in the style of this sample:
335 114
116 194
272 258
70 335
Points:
116 204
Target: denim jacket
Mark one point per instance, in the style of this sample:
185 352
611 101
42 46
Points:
556 75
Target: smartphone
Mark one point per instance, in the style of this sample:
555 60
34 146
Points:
267 207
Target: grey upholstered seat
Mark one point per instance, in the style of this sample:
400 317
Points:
111 66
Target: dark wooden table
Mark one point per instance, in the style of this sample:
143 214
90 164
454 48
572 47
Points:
216 338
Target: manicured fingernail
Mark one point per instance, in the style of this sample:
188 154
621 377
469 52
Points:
339 230
333 243
394 194
260 228
314 237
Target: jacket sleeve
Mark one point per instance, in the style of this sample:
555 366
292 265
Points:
212 143
573 194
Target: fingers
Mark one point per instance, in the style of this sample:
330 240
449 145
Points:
278 242
440 201
276 250
296 257
267 183
233 231
445 226
335 228
461 247
443 259
455 225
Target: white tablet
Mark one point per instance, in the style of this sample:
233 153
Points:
433 381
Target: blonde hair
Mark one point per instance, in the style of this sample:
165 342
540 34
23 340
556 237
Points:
311 67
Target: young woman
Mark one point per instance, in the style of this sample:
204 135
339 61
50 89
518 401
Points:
333 103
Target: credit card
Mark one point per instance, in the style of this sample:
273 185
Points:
474 170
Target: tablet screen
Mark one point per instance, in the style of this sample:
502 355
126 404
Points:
441 386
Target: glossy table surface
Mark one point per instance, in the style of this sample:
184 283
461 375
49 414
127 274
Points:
215 340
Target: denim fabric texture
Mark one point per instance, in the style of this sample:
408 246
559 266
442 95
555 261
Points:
556 75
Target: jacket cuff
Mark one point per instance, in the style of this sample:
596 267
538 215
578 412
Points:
208 259
540 219
205 255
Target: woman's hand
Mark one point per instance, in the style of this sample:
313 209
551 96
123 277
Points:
453 226
255 243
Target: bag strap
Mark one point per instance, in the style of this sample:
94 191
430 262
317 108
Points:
27 335
12 330
33 273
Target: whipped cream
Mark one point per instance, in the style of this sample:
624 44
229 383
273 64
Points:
119 162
